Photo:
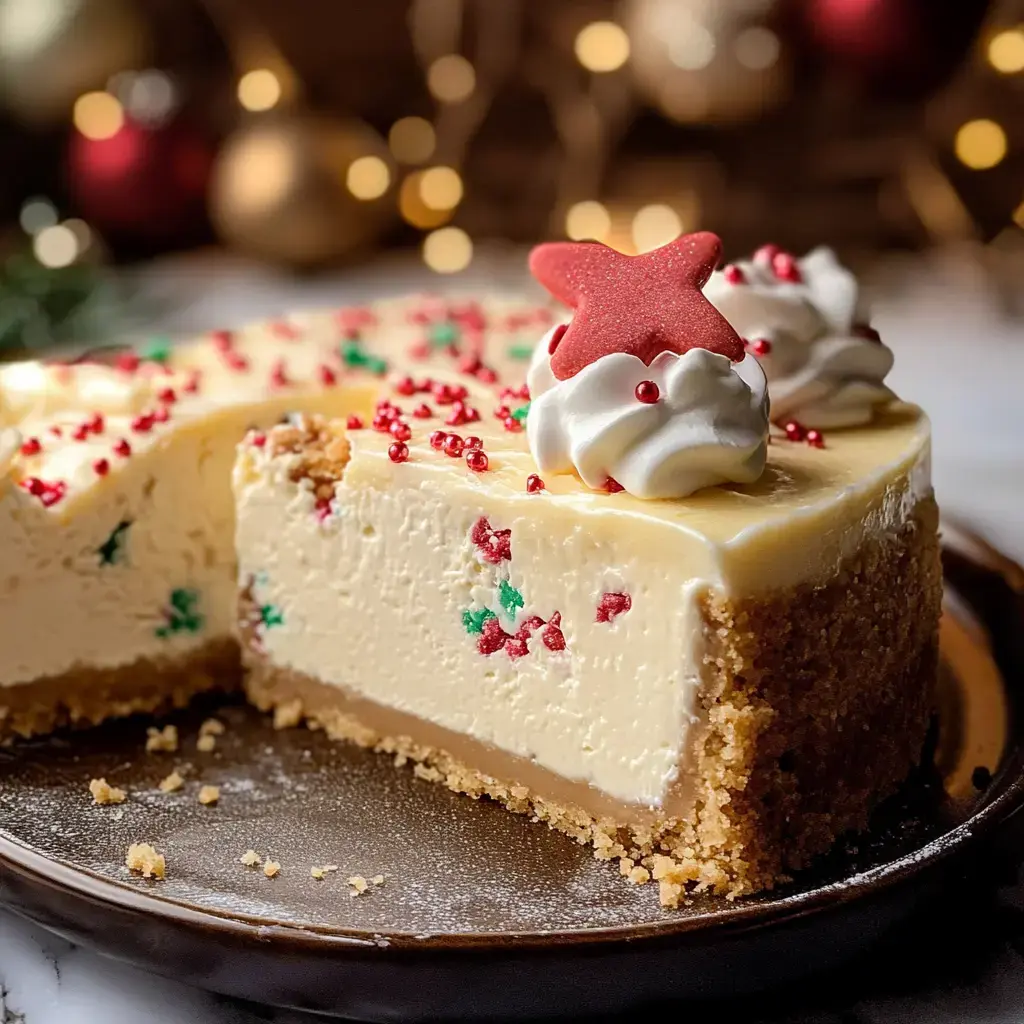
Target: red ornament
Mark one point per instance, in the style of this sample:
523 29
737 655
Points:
354 423
643 305
534 484
398 452
477 461
145 183
647 392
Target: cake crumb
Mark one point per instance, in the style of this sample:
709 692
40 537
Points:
165 739
209 794
320 872
206 743
172 783
288 715
377 879
104 793
143 858
271 868
250 858
359 885
212 727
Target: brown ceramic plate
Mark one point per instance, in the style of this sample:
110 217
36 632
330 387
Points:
482 913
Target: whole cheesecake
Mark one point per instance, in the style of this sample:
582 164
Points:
616 597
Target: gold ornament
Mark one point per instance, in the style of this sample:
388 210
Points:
52 51
302 189
705 60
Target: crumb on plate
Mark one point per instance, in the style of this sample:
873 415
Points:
209 794
165 739
143 858
172 783
104 793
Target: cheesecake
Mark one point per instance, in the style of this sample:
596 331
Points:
570 556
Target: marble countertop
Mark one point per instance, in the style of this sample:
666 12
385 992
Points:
961 356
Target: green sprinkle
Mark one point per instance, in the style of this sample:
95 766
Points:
157 350
352 354
509 598
523 352
474 621
111 551
521 413
442 334
182 616
271 615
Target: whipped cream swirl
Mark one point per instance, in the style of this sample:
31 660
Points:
825 367
709 425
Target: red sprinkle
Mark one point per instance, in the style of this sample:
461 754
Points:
502 412
31 446
492 637
795 431
785 267
279 375
556 336
647 392
143 423
96 423
516 647
81 432
48 493
354 423
122 448
815 439
453 445
477 461
398 452
257 439
486 375
437 439
326 376
612 486
406 386
422 411
612 605
494 545
400 431
101 467
759 346
534 484
552 636
167 395
734 274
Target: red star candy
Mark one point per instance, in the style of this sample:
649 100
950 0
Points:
643 305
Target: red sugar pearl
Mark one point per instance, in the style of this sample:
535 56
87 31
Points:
122 448
733 274
400 431
795 431
512 425
81 432
222 340
161 415
486 375
502 412
382 423
437 439
127 361
279 374
398 452
470 364
143 424
406 386
534 484
56 431
473 441
354 423
326 375
453 445
815 439
760 346
647 392
31 446
556 336
766 253
96 423
257 439
192 384
101 467
785 267
477 461
167 395
422 411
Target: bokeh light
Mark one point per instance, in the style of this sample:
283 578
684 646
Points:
55 246
757 48
98 115
441 188
447 250
412 208
368 177
692 46
37 213
655 225
588 219
1006 51
602 46
451 78
980 144
412 140
259 90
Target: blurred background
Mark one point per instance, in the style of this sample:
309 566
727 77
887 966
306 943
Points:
295 138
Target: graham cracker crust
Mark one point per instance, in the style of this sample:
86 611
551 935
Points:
87 696
818 700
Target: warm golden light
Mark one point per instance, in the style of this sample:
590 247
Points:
98 115
980 144
81 231
1018 215
602 46
451 78
412 140
587 220
259 90
36 214
447 250
55 246
654 226
441 188
412 208
1006 51
757 48
368 177
692 46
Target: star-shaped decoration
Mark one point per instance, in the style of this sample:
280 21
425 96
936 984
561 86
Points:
643 305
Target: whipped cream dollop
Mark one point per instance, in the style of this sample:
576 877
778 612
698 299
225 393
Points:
825 367
709 424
